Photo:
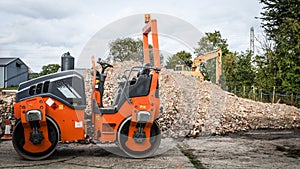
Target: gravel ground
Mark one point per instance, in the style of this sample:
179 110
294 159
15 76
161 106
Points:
79 156
253 149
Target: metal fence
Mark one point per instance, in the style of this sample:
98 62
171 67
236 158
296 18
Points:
259 95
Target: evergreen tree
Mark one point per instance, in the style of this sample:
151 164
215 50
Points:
281 66
244 72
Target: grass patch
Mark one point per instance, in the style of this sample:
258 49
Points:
280 148
193 159
9 88
293 153
290 152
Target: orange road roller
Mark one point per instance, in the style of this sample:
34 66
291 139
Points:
51 109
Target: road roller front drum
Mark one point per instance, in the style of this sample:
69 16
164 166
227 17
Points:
18 141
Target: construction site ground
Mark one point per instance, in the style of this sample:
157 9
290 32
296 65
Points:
225 131
252 149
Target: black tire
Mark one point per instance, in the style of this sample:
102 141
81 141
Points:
122 137
18 141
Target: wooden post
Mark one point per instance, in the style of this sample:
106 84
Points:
254 96
292 99
244 93
273 99
261 98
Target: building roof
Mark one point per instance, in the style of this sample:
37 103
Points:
6 61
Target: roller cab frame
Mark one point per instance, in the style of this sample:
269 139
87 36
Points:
51 109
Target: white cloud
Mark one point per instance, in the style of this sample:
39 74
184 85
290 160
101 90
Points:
41 31
39 9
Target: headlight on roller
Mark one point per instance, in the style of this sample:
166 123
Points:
33 115
143 116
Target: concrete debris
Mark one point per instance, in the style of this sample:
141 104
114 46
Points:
6 107
193 108
204 108
190 107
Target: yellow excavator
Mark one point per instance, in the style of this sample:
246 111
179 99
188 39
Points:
198 67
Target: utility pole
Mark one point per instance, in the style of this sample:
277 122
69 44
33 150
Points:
252 40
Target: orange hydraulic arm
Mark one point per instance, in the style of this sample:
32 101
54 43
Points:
151 26
208 56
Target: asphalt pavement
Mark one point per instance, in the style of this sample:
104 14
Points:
254 149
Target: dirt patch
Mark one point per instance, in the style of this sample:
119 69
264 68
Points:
190 155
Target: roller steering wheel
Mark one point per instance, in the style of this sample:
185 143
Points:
104 65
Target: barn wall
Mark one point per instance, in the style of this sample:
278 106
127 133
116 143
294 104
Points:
16 73
1 77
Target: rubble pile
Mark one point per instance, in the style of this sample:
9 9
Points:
6 106
206 109
180 104
190 107
194 108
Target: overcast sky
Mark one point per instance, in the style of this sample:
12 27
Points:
39 32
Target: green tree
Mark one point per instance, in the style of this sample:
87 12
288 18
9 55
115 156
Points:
126 49
265 67
281 22
243 73
181 57
211 42
229 66
48 69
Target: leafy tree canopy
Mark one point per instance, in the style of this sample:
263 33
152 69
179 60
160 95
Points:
126 49
181 57
211 42
48 69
